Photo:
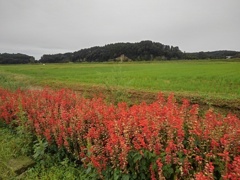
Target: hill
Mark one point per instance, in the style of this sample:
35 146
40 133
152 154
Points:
144 50
140 51
7 58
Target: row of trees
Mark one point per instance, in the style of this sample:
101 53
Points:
6 58
212 55
144 50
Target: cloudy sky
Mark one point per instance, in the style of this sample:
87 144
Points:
37 27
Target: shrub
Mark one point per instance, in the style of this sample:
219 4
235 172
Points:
146 141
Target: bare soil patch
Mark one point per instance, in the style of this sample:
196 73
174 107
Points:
223 106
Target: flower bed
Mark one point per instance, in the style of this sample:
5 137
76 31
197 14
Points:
146 141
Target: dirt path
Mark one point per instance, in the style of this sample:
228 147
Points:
135 97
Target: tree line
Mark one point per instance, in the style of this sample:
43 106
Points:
7 58
144 50
140 51
212 55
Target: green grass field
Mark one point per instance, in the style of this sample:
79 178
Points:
215 79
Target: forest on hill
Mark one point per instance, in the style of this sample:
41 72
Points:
144 50
7 58
140 51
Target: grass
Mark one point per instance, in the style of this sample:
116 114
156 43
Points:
13 81
13 144
9 148
216 79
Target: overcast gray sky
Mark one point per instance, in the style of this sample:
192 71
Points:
37 27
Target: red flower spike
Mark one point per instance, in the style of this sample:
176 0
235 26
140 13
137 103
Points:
103 135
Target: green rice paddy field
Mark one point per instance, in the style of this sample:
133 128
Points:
208 79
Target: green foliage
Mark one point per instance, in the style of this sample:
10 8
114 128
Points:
49 166
168 171
52 168
139 164
211 55
116 174
6 58
144 50
26 142
22 131
12 144
40 147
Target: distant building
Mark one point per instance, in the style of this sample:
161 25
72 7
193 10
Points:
123 58
228 57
